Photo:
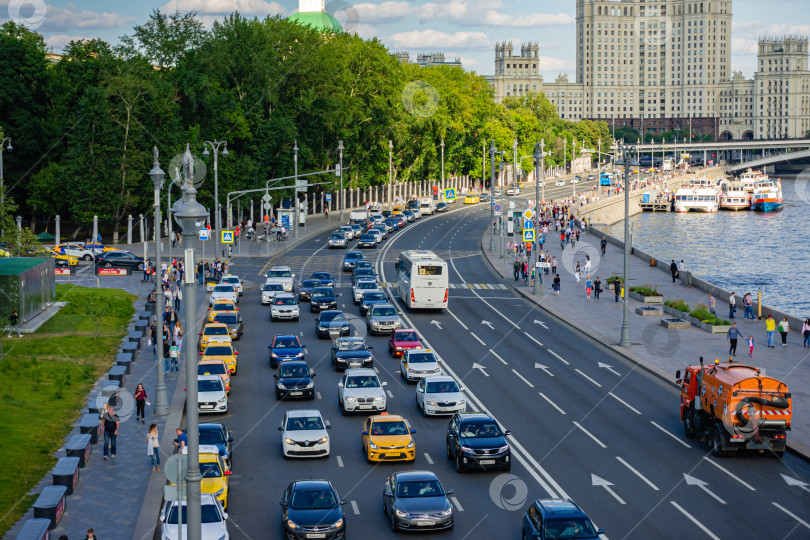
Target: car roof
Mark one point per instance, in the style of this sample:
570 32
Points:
381 306
277 336
331 311
353 339
209 378
216 324
471 416
285 295
212 425
387 418
294 363
308 485
366 280
279 268
415 475
439 378
559 508
297 413
354 254
210 360
360 372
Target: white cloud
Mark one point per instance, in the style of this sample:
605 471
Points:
756 29
489 13
71 18
744 46
386 12
245 7
550 64
437 39
365 31
58 42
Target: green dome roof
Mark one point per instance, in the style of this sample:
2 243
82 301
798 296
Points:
319 20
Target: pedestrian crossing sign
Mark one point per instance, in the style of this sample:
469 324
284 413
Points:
528 235
450 194
227 237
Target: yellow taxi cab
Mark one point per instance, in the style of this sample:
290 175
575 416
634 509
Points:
214 473
221 351
471 198
72 260
397 210
214 333
210 365
387 437
520 185
219 306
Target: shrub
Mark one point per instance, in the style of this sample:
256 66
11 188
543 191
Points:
645 290
680 305
611 279
701 312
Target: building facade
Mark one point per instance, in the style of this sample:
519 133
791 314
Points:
516 75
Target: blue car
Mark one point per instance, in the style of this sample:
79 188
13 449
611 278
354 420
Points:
217 435
324 277
558 519
370 299
285 347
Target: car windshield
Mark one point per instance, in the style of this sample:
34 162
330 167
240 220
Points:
233 280
373 296
419 488
211 369
293 371
286 343
210 514
362 272
289 301
384 312
320 499
565 529
368 285
362 264
224 289
442 387
310 283
279 273
362 381
337 236
333 317
226 319
321 275
367 237
272 287
323 292
480 430
354 255
207 385
421 358
395 427
218 350
211 436
351 345
210 470
225 306
405 336
303 423
216 331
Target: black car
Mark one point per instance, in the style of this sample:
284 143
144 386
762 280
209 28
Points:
218 435
371 298
294 380
306 287
119 259
313 507
332 322
441 207
351 352
416 500
234 323
322 298
363 273
349 259
324 277
476 441
366 241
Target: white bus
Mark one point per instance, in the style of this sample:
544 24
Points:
422 278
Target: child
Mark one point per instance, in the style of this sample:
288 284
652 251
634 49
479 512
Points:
751 346
174 352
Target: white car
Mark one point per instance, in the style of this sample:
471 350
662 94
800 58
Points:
338 240
233 280
77 250
269 291
418 363
378 235
285 306
557 175
541 184
211 395
347 230
439 394
360 389
214 526
559 183
575 180
363 286
496 193
283 275
224 292
303 434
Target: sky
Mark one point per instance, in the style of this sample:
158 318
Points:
465 29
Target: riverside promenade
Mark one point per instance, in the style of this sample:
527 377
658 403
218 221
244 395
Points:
654 347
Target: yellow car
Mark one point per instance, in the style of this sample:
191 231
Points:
214 333
388 438
210 365
221 351
397 210
72 260
219 306
214 473
471 199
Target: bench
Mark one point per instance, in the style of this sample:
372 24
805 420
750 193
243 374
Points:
124 360
35 529
136 337
50 504
66 473
79 446
90 425
118 373
131 348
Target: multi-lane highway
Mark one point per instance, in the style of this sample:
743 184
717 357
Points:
585 423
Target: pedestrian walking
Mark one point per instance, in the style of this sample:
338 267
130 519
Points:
732 336
146 266
673 269
534 271
178 334
111 423
588 287
141 399
806 332
151 337
597 288
178 297
525 271
91 535
617 287
174 239
576 273
784 330
153 446
174 353
748 306
732 306
516 269
556 285
751 346
712 304
14 321
554 265
770 327
603 243
200 273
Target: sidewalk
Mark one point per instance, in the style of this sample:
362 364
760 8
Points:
654 347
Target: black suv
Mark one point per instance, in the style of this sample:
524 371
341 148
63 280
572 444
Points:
476 441
294 380
322 298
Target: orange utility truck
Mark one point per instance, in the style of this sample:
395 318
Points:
735 406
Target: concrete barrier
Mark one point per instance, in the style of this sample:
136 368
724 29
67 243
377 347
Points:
51 504
66 473
35 529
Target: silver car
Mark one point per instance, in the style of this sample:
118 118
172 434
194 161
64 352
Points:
285 306
382 319
338 240
211 395
269 291
360 389
418 363
235 281
224 292
303 434
214 526
347 230
283 275
439 394
364 286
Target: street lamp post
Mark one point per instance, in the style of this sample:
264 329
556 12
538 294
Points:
626 153
341 148
538 156
390 174
161 396
500 180
295 201
492 190
442 182
514 162
218 219
543 166
5 145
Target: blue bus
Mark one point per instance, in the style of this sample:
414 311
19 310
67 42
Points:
607 179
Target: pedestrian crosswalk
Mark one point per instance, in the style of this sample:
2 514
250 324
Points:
476 286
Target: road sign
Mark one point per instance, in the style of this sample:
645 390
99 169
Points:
528 214
268 206
528 224
543 264
528 235
450 194
203 234
267 198
227 237
328 197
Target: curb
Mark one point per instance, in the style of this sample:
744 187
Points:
794 448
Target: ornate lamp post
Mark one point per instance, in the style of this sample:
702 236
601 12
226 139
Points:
626 153
5 146
161 397
218 218
341 148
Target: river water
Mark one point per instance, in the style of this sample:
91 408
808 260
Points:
739 251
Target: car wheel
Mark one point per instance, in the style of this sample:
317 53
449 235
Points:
447 450
87 257
278 395
717 442
140 266
688 427
459 465
393 522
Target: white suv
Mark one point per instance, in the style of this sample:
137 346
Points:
284 306
283 275
360 389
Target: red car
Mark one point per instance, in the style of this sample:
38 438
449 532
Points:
401 340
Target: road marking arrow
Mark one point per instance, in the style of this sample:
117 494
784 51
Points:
487 323
541 323
796 482
481 368
597 481
692 481
609 368
437 323
544 368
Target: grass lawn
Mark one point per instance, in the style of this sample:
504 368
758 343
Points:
44 378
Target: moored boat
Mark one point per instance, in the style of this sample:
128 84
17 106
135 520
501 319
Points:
735 197
767 196
751 178
697 199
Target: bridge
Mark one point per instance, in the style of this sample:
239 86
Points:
725 146
739 155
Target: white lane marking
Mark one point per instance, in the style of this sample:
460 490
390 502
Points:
390 394
700 525
340 461
428 458
589 434
692 481
551 403
457 504
623 402
452 285
670 434
464 326
502 286
376 370
355 509
531 338
791 514
609 368
560 358
583 374
476 285
318 395
522 378
507 319
634 471
493 353
601 482
710 460
479 339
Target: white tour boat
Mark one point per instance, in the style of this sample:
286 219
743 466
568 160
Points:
698 199
735 197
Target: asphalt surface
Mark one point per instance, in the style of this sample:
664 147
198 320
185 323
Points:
609 438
